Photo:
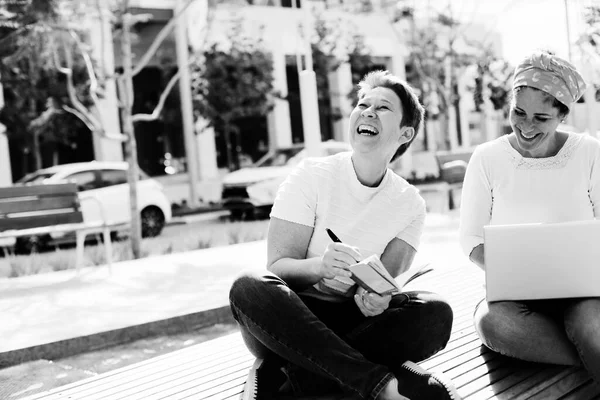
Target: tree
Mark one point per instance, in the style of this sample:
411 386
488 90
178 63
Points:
62 56
589 41
324 47
36 92
233 82
436 64
492 82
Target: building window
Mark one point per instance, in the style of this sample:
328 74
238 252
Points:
290 4
276 3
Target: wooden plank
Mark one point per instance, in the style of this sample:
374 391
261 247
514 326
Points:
25 204
37 190
589 390
476 380
452 371
7 224
571 382
519 390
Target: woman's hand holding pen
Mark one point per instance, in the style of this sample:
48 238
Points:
336 260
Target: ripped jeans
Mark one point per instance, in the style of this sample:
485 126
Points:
556 331
327 344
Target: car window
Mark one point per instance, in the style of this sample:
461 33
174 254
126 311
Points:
35 177
111 177
278 158
85 180
334 150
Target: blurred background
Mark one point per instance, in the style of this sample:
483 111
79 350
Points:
241 92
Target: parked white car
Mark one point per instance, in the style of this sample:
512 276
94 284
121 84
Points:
253 189
103 188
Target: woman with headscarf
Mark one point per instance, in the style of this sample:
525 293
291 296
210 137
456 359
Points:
536 174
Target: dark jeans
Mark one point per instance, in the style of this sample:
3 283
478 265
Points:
330 343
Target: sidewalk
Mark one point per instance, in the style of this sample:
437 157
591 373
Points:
58 314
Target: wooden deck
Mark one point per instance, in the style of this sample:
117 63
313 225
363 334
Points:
217 369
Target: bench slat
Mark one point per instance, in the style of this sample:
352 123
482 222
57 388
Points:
37 190
563 386
40 221
520 389
26 204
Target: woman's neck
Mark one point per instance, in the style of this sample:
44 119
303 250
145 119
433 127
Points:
558 141
368 173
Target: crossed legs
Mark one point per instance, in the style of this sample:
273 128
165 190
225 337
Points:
334 342
565 331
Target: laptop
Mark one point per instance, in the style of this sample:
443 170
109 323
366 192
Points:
542 261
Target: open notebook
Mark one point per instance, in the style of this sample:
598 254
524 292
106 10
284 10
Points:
542 261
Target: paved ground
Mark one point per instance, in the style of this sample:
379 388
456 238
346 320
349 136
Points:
40 375
51 316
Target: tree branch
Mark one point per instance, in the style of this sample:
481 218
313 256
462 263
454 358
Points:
162 35
163 96
88 66
94 125
161 101
79 115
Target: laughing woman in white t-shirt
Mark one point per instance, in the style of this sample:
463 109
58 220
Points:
311 338
536 174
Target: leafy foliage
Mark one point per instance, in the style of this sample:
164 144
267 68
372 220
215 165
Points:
330 48
235 82
33 37
324 47
492 82
427 69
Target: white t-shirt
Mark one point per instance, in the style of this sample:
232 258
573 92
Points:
503 187
326 193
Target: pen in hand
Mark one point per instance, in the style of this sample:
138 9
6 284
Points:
336 239
333 236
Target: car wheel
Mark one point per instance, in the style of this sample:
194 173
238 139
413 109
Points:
31 244
263 212
236 215
153 221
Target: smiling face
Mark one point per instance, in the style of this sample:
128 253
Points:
375 124
534 120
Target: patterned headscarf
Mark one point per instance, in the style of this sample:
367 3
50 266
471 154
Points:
552 75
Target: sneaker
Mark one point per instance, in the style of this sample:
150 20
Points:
263 382
417 383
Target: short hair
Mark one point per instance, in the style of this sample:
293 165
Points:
412 110
563 110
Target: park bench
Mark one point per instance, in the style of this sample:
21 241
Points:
39 210
217 369
453 165
452 168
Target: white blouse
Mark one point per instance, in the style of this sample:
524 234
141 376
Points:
503 187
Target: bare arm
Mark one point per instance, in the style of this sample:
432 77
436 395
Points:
287 246
398 256
478 256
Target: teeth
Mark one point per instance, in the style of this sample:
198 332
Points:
367 129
